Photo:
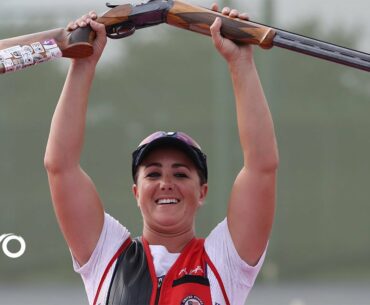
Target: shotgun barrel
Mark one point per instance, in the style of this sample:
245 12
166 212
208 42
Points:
321 49
199 19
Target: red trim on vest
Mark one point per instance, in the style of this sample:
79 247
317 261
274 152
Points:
196 247
113 259
153 276
218 277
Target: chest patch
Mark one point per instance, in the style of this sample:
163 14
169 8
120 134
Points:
192 300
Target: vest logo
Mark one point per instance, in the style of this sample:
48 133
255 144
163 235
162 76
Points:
192 300
196 271
6 238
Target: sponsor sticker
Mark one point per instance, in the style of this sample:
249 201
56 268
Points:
22 56
37 47
27 49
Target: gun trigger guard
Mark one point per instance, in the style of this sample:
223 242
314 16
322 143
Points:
115 32
108 4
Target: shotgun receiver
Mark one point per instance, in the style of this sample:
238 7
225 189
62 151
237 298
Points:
123 20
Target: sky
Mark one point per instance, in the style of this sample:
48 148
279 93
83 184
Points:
350 15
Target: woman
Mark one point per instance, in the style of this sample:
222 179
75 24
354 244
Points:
167 264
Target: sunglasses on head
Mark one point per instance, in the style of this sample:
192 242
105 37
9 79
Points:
175 134
190 146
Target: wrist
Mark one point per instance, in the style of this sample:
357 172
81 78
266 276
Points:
243 62
241 66
82 67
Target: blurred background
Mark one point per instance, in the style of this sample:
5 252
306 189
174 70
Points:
164 78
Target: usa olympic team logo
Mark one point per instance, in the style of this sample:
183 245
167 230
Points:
192 300
4 241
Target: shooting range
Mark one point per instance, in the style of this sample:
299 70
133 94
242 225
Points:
164 78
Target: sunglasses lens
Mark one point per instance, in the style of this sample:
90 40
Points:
178 135
185 138
152 137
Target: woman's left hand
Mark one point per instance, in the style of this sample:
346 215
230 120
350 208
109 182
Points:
100 40
233 53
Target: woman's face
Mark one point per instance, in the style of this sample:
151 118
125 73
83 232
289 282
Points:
168 191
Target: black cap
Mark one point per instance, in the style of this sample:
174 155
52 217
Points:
179 140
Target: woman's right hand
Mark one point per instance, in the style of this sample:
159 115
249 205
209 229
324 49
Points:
235 55
100 40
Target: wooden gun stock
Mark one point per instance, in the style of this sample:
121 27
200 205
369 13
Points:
198 19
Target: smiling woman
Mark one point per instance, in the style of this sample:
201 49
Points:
170 186
167 264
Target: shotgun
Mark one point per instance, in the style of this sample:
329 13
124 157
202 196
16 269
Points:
123 20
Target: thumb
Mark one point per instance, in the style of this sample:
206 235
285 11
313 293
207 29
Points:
101 35
99 28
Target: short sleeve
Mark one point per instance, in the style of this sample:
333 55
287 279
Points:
238 277
111 238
